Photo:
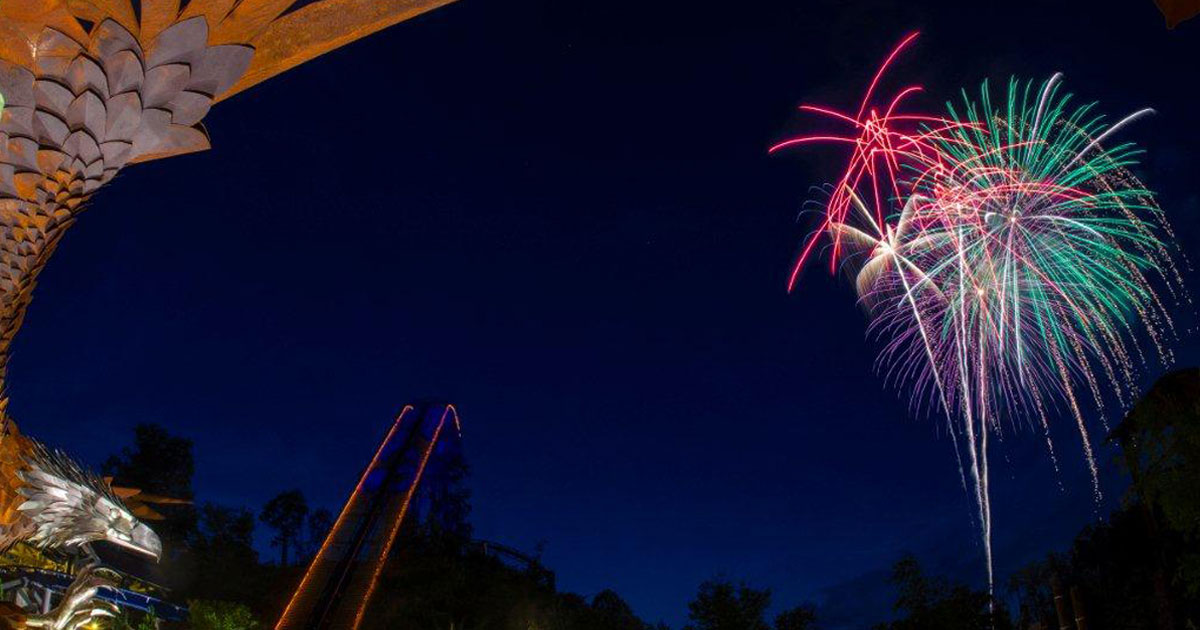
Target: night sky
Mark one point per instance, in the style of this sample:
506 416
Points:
561 217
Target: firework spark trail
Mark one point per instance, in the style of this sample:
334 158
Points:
1006 256
878 137
885 252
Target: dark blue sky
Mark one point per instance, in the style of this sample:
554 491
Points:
561 216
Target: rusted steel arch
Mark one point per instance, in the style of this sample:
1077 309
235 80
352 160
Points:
281 38
1176 11
94 85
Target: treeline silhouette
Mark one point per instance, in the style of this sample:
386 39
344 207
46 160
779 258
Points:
1139 568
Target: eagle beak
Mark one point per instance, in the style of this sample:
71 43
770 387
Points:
146 541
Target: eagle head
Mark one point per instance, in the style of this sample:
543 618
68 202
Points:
67 506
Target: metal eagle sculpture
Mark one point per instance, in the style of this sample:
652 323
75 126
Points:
48 501
89 87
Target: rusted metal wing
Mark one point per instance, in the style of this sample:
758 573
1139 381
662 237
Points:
91 86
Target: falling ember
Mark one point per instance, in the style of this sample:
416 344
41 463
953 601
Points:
1010 262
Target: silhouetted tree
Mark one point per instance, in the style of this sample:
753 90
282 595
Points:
1030 586
803 617
1113 568
1140 568
218 615
1160 441
285 514
935 604
224 565
609 611
320 522
722 605
436 586
449 498
160 463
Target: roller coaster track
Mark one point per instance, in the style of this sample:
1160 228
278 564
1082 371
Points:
41 588
337 587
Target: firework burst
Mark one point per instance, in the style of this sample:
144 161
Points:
1012 265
